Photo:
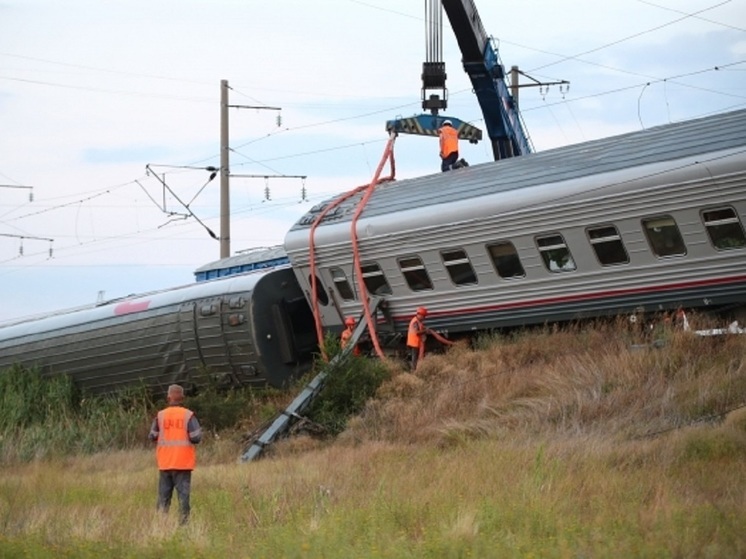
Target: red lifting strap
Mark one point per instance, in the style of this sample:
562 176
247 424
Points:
388 155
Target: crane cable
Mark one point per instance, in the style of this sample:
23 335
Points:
387 154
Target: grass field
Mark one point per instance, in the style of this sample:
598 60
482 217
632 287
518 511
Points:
572 443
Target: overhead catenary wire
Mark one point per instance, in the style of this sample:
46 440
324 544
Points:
633 36
111 189
210 83
186 206
694 15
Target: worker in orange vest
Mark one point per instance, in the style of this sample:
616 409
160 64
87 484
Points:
448 146
175 430
416 336
347 334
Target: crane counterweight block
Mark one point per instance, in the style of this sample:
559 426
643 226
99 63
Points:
428 125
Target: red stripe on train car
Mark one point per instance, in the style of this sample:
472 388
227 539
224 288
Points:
129 307
587 296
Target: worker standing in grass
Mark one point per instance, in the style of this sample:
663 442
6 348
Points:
416 336
176 431
448 146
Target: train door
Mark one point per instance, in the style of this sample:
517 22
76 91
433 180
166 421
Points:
203 342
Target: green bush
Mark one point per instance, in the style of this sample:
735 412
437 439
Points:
348 386
219 409
46 416
27 399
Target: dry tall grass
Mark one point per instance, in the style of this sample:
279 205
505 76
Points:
567 443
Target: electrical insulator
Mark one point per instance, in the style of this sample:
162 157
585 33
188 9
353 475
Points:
266 193
279 120
20 249
303 194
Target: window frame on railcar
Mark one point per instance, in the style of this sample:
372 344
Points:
460 270
503 261
549 251
321 295
726 227
341 283
415 273
607 245
658 230
375 271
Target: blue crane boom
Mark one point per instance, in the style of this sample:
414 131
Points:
482 64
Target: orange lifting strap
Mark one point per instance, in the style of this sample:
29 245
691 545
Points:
441 339
388 155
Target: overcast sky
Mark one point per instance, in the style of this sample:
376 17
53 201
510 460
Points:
91 93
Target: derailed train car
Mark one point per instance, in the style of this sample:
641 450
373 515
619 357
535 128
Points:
247 329
639 223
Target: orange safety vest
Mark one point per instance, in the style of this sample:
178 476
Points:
345 339
414 335
175 451
346 335
448 140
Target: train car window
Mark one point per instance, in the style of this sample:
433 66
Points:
459 267
505 258
664 236
555 253
415 273
608 245
724 228
340 282
374 279
320 291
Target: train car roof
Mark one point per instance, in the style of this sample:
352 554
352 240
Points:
133 304
670 142
255 255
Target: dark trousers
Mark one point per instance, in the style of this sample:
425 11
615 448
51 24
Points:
414 356
449 161
181 480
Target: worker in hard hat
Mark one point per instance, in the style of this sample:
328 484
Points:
448 146
347 335
416 336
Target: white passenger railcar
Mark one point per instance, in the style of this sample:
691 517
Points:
641 222
244 330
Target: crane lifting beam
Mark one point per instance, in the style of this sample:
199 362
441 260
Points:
428 125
